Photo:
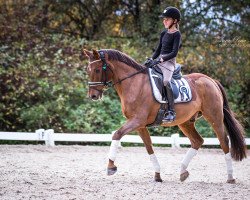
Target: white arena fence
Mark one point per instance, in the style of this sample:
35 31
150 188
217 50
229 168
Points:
49 137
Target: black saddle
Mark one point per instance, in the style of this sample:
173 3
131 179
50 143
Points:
158 78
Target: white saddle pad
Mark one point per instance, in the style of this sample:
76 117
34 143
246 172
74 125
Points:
185 94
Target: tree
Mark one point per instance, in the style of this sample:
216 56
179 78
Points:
80 18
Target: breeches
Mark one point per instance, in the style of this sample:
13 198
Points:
167 69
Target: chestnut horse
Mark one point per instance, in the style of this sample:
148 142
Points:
131 81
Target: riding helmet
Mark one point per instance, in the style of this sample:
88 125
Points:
172 12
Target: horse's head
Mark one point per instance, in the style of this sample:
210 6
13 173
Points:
98 70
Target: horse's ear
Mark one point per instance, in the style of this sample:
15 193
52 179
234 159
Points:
96 55
87 54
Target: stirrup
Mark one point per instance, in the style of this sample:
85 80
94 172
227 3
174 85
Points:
170 117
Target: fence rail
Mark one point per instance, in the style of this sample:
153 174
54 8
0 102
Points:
49 137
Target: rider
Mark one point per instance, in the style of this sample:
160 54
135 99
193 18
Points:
166 52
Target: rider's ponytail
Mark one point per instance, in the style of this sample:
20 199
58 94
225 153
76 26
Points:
177 25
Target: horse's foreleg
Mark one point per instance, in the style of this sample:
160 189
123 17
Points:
196 140
144 134
129 126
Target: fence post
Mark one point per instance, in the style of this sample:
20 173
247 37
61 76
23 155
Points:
175 140
49 138
120 144
41 134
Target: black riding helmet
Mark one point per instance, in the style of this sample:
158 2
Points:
172 12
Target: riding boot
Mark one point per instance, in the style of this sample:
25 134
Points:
170 114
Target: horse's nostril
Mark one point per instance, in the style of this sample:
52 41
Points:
93 97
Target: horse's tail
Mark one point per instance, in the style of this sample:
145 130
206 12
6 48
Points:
234 128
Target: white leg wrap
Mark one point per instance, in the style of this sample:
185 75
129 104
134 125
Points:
155 163
113 149
186 160
120 145
229 164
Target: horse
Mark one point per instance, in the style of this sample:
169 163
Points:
112 68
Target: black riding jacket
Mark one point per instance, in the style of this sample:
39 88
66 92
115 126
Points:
168 46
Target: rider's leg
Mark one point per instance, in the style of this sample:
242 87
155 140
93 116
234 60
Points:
170 96
167 71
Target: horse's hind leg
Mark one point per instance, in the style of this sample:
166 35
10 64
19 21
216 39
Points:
144 134
196 140
216 121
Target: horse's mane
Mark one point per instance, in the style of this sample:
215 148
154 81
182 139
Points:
122 57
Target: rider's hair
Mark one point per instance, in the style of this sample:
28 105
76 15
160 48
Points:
177 25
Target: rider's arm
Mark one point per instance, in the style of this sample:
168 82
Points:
158 49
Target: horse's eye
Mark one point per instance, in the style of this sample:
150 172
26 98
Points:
97 70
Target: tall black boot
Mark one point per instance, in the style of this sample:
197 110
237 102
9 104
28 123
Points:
170 115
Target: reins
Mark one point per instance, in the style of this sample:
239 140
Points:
140 71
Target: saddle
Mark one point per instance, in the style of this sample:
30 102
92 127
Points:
181 89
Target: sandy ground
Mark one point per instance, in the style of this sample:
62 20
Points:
79 172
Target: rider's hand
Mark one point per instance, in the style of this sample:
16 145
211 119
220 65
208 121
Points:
147 63
154 62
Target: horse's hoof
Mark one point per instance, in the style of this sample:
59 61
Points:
231 181
158 180
111 171
184 176
158 177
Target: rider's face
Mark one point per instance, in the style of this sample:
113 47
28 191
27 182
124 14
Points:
167 22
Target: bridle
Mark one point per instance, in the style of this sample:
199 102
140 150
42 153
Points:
104 71
105 68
